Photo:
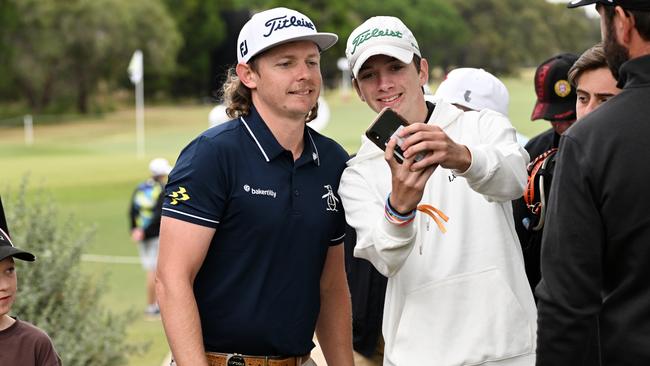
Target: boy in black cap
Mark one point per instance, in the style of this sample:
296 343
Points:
20 342
556 103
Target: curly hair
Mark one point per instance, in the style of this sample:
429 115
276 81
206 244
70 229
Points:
238 97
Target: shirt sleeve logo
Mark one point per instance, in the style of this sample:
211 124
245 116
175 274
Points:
179 195
330 198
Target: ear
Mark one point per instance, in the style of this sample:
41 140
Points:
424 72
247 76
356 88
624 24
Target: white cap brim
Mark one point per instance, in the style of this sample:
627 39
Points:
322 39
406 56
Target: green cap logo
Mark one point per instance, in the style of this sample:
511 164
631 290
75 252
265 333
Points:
373 33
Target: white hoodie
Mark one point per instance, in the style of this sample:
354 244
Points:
459 298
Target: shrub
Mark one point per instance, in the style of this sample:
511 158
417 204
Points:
54 294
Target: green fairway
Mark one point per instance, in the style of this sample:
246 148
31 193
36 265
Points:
90 168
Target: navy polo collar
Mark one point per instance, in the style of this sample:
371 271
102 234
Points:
268 145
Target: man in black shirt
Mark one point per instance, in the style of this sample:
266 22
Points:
595 252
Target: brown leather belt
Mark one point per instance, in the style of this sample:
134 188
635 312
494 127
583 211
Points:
226 359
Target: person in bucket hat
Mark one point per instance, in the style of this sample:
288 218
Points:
595 257
21 343
251 259
438 225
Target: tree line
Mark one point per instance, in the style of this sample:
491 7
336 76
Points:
60 55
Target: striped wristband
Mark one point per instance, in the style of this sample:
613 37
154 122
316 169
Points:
395 217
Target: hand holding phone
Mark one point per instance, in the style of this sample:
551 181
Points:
388 124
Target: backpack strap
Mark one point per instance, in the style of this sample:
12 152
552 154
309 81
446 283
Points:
534 205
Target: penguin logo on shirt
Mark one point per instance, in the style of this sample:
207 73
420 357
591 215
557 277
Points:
331 198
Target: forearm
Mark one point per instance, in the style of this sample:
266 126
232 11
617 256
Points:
334 326
497 172
180 318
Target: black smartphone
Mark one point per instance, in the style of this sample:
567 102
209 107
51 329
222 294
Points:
386 125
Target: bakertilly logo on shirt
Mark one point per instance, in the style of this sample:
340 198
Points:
259 191
373 33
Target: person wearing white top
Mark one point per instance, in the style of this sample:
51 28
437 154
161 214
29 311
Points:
457 291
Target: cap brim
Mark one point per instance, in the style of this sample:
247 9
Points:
323 41
401 54
554 111
578 3
10 251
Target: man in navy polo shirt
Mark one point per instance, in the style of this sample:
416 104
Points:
251 261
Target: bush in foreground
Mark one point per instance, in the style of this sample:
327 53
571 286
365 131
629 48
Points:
54 294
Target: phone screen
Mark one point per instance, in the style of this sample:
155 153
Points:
386 125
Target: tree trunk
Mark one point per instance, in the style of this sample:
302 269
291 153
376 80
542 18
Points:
46 96
82 95
32 99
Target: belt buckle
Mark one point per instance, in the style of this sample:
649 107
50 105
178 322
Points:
235 360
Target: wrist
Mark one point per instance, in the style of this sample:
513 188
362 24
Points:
400 210
465 161
395 217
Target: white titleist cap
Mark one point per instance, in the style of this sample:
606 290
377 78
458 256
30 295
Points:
476 89
276 26
159 166
380 36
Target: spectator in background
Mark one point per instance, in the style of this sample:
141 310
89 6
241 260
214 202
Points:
594 293
457 292
593 80
476 89
144 213
21 343
556 103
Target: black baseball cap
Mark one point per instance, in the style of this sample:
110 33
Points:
625 4
556 98
7 248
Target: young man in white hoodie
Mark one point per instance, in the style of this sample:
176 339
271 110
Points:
457 297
